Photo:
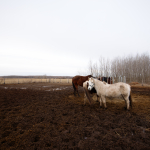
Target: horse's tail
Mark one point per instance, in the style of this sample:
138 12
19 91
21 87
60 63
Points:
130 100
74 87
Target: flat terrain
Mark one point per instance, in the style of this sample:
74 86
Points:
47 116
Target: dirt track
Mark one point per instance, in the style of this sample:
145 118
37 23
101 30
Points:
48 116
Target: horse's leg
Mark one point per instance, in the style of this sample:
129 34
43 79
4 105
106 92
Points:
127 102
100 101
84 98
126 99
104 101
97 97
76 86
73 84
74 92
77 91
78 83
78 94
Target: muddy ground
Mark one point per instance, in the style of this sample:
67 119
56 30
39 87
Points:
48 116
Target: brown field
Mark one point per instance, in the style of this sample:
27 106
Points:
33 80
48 116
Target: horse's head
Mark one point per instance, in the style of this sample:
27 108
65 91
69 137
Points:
91 84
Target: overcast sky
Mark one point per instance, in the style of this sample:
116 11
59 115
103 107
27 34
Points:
60 37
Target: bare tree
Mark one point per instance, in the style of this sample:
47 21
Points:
134 68
90 67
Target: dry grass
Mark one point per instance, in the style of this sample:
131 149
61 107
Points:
134 83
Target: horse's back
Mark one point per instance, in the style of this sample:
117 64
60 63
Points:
80 79
124 88
76 78
122 84
114 90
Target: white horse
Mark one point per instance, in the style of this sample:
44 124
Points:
119 89
88 93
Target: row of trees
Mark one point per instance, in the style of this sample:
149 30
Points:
134 68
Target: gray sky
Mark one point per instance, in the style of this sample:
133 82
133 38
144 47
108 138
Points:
60 37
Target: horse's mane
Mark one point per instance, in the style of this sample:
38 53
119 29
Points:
89 76
104 82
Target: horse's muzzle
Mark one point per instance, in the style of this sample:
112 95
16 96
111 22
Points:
89 88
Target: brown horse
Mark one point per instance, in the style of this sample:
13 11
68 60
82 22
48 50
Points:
78 80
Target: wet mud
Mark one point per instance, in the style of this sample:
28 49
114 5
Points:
48 116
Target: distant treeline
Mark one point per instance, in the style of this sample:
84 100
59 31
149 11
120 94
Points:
134 68
38 77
